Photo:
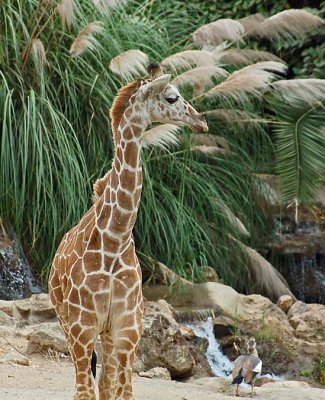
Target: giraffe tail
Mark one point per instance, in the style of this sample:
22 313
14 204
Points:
93 364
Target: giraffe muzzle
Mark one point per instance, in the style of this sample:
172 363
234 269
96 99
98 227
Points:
200 124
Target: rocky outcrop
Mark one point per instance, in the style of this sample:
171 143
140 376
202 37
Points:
31 310
162 344
16 278
47 335
287 343
285 302
308 321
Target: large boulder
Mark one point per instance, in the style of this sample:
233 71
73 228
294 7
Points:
162 343
308 321
46 335
37 308
220 298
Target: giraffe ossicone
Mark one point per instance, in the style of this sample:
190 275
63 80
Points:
95 279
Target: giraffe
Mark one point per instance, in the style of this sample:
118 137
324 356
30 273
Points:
95 278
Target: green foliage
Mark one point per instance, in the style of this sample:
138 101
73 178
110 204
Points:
300 147
56 141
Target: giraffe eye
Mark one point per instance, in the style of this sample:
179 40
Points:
172 99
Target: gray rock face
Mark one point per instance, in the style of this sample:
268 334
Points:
16 279
162 343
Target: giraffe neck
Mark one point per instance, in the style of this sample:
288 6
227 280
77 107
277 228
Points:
123 191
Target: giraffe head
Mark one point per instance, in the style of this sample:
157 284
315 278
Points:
162 102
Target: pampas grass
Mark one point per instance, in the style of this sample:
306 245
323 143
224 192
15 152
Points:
250 80
218 31
287 24
66 10
38 52
201 78
246 56
85 39
234 116
208 139
188 59
266 278
309 91
213 151
129 64
102 5
162 136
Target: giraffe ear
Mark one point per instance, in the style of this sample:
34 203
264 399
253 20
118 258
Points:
156 87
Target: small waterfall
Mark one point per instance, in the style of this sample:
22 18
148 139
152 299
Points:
219 363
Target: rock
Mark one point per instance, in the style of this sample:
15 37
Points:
285 302
41 307
307 355
308 320
201 367
47 335
198 296
223 326
187 332
162 344
256 313
23 306
37 308
14 357
158 373
230 346
16 278
7 306
5 319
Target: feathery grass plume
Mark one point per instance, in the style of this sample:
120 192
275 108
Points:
267 280
250 21
217 32
252 79
188 59
66 10
102 5
200 78
309 91
208 139
246 56
231 116
39 52
212 150
85 39
129 64
234 221
287 24
162 136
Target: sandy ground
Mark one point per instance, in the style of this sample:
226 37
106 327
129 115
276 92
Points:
47 379
52 378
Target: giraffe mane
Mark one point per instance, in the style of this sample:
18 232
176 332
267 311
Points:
99 187
120 104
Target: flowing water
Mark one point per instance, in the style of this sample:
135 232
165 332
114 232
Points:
219 363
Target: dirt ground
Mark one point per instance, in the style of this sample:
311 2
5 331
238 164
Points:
50 377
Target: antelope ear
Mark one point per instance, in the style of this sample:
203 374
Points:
156 87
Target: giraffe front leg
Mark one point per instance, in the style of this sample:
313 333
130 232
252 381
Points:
81 349
107 380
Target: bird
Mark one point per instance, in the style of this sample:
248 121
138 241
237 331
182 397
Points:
247 366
